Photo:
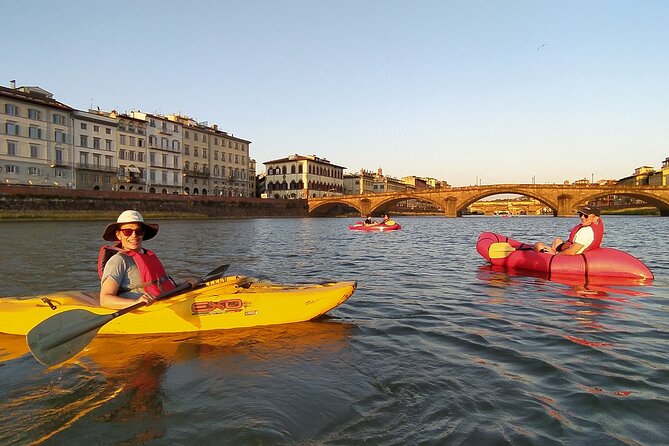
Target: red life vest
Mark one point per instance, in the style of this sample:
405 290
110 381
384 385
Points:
598 231
151 271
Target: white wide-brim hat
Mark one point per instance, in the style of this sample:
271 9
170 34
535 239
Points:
150 230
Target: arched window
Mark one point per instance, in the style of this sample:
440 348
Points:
217 171
292 169
299 168
283 170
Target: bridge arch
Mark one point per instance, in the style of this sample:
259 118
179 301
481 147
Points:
562 198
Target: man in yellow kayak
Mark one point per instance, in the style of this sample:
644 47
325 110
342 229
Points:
127 271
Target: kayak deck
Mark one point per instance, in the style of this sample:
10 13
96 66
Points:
229 302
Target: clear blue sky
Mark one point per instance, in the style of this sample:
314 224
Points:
502 91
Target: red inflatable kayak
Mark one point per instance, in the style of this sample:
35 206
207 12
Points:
601 262
389 225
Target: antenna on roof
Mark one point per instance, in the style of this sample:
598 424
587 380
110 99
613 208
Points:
13 82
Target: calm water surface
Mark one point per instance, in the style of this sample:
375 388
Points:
434 348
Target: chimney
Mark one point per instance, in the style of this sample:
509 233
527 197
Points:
13 82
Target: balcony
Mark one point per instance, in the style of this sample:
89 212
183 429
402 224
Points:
96 167
200 173
131 178
59 163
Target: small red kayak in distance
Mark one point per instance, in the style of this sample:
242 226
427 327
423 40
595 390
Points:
389 225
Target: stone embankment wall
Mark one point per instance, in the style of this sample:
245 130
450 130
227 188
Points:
32 199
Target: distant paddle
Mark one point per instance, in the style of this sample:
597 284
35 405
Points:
65 334
502 250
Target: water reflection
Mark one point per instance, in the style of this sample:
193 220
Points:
121 378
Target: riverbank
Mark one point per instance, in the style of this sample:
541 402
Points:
36 203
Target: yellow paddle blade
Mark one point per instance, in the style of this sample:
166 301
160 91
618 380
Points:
500 250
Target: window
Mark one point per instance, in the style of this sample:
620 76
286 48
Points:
96 128
11 129
175 178
122 139
152 176
83 158
196 151
34 171
175 145
108 131
164 143
131 155
204 153
83 126
34 151
83 140
108 144
60 136
152 158
121 154
59 156
195 136
96 143
140 142
11 109
11 148
35 132
59 119
215 155
132 141
164 160
10 168
176 162
186 149
164 177
34 114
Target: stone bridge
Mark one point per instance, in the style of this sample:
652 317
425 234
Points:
563 199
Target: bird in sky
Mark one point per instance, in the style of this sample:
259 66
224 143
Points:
541 46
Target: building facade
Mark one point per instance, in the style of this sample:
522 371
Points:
298 176
35 138
95 151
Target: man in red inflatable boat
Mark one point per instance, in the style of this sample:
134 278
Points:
584 236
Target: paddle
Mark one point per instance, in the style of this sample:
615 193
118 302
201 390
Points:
501 250
65 334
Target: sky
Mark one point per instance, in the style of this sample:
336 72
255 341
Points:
469 92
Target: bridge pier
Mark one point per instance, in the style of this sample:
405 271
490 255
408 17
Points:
451 207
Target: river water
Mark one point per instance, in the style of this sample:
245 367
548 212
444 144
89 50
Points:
434 348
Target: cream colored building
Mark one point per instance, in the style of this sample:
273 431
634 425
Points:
95 150
214 162
298 176
163 173
35 138
358 183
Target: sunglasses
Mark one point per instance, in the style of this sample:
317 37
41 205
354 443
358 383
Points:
128 232
581 214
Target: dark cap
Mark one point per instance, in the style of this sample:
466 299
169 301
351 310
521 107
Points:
587 210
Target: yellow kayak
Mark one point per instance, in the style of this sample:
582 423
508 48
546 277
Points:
228 302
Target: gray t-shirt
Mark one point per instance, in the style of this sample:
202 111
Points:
123 270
